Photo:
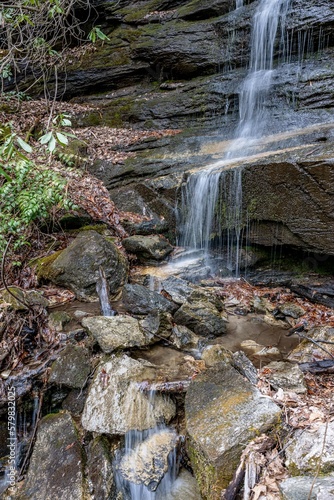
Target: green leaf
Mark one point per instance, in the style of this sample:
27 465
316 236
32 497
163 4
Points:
4 173
62 138
24 145
52 144
45 138
65 122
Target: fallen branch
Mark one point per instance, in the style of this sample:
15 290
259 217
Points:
323 366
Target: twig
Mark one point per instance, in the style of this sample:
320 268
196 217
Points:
28 306
315 342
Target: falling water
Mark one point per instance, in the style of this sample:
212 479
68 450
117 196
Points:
102 289
142 473
239 3
206 193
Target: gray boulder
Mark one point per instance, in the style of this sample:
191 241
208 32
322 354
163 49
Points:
223 413
139 300
148 248
298 488
286 376
310 450
72 367
77 267
99 469
115 404
178 289
115 332
56 465
202 317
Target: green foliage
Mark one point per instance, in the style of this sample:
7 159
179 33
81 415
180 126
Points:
28 197
27 191
56 136
97 34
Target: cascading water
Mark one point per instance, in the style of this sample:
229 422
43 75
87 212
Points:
148 466
206 193
239 3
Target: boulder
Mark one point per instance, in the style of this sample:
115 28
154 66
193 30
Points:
223 413
147 463
215 354
293 310
286 376
298 488
71 367
148 248
115 404
310 450
185 486
56 467
177 288
157 325
182 337
137 299
77 267
202 317
115 332
99 469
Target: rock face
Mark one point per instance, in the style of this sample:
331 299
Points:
117 332
77 267
223 410
115 405
99 468
310 450
148 248
56 466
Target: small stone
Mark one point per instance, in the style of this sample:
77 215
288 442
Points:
214 354
293 310
138 299
148 248
58 319
286 376
260 352
184 337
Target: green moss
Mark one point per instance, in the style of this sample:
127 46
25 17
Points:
99 228
43 266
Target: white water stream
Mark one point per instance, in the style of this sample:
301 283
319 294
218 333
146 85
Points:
212 198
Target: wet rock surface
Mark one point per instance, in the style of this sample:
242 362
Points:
201 317
298 488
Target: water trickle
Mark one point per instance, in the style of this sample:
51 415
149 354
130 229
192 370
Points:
102 289
212 198
148 466
239 3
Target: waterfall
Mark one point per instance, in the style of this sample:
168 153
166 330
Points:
214 192
239 3
102 289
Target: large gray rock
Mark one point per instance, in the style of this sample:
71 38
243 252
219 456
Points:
137 299
77 267
178 289
310 450
298 488
148 248
148 462
223 413
116 332
202 317
71 367
56 465
286 376
115 404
